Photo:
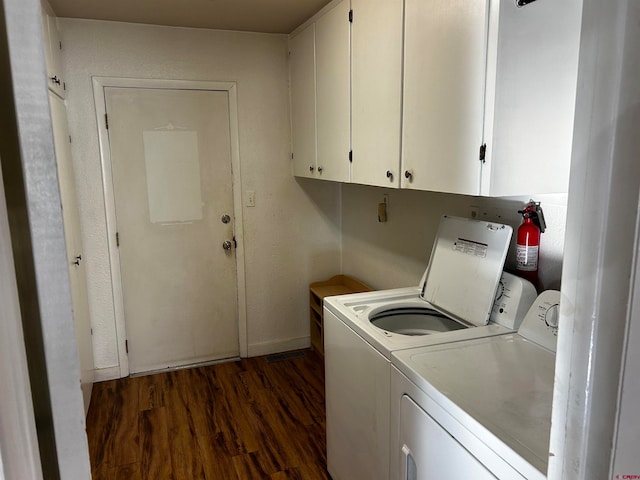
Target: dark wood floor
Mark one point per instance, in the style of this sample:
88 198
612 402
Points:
250 419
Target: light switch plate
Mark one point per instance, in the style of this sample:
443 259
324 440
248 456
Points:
251 198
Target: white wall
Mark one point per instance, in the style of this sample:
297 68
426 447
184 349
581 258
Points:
19 454
396 253
291 237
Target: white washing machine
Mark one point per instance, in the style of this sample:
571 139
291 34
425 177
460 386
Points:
455 301
477 409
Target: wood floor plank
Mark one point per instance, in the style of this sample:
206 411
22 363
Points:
124 446
235 421
289 474
249 419
279 431
185 455
128 472
216 461
201 398
250 467
312 472
151 391
99 423
297 402
103 472
155 457
176 396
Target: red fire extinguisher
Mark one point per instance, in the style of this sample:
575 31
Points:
528 242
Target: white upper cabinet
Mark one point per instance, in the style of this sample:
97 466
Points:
529 139
445 56
376 64
458 96
302 71
333 98
52 48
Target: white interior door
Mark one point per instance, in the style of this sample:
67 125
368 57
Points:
172 180
73 239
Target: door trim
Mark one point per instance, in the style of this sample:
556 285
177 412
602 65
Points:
99 84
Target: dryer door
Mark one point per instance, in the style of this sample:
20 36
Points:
430 452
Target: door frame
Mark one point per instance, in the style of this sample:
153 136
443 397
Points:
99 84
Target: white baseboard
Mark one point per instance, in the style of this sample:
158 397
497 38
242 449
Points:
104 374
254 350
278 346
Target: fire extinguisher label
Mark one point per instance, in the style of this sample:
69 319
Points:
527 258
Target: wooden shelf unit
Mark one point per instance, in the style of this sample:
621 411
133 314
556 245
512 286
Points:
336 285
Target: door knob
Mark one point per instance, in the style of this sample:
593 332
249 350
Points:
227 245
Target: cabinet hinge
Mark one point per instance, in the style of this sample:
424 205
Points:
60 44
106 120
126 346
69 138
91 330
483 152
291 155
64 86
117 239
351 155
351 16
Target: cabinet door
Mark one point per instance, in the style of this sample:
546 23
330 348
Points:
444 78
53 57
376 69
302 77
333 93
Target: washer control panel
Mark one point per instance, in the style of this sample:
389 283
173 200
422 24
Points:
514 297
540 325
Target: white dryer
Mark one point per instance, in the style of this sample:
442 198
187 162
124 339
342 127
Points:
455 301
477 409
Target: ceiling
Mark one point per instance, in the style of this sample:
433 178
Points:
269 16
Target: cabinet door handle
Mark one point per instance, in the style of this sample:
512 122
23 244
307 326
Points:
408 174
55 80
390 175
311 168
320 169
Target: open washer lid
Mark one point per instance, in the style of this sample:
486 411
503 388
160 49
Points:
465 267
